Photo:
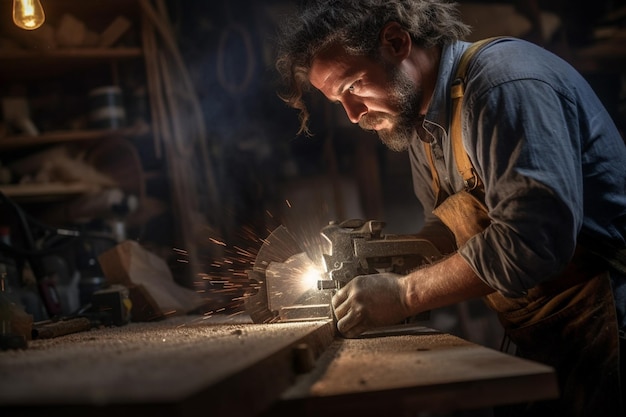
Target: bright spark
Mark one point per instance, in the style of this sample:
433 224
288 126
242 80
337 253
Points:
310 277
217 242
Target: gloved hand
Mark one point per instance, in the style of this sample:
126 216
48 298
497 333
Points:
369 301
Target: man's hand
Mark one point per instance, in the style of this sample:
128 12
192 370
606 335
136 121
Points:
369 301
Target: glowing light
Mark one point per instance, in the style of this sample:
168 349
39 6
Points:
28 14
310 277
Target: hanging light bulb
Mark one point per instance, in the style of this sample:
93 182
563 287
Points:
28 14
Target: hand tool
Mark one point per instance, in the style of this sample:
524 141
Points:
288 284
359 248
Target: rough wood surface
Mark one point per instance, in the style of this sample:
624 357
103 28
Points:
421 371
229 366
177 367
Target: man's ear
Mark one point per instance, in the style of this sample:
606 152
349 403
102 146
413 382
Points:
395 41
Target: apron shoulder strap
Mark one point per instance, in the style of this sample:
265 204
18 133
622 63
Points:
463 163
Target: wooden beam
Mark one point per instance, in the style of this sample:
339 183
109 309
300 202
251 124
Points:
177 367
406 374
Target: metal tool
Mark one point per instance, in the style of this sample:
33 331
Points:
359 247
288 284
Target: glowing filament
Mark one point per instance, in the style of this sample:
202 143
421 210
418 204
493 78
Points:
28 14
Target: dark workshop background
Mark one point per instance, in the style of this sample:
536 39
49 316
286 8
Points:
258 173
259 159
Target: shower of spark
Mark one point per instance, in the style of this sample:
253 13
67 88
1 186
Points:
224 281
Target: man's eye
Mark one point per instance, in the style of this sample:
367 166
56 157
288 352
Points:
353 87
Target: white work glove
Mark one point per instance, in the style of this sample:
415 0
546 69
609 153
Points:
370 301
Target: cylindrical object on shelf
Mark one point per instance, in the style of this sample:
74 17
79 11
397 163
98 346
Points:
107 108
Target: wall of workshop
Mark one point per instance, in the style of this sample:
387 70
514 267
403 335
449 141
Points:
226 47
265 172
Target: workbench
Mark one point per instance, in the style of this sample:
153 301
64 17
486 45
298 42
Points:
229 366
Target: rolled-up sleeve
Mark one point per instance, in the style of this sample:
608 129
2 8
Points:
523 141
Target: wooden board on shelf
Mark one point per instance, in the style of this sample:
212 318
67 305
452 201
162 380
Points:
69 40
22 64
45 191
68 53
64 136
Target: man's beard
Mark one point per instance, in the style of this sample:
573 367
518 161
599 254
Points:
405 95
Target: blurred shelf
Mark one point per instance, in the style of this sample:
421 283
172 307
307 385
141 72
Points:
21 64
64 136
37 192
69 53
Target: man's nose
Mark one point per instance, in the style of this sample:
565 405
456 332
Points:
355 109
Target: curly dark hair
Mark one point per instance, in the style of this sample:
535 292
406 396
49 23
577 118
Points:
356 25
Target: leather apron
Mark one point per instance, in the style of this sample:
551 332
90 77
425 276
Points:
568 322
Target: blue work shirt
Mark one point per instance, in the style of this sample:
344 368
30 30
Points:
551 159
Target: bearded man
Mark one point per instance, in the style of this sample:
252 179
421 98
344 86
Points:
537 229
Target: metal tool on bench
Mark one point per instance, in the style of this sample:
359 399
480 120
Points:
289 285
359 247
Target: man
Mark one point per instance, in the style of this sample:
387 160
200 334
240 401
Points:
548 215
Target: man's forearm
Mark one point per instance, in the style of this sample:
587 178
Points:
443 283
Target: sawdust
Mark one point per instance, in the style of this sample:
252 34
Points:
137 362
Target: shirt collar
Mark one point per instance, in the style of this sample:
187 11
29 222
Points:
437 115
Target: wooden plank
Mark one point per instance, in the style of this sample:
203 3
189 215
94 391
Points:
177 367
410 373
70 53
46 190
26 65
65 136
188 366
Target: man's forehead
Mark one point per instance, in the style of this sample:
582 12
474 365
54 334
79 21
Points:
326 74
333 61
